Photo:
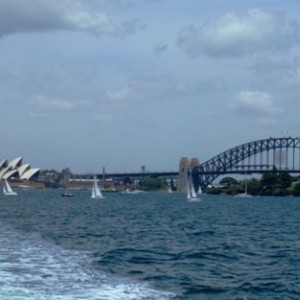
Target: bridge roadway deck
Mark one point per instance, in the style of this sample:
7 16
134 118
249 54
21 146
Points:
136 175
141 175
173 174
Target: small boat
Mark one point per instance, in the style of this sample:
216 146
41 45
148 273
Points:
67 194
96 192
7 190
128 191
191 193
243 195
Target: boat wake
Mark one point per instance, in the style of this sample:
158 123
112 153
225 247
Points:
32 268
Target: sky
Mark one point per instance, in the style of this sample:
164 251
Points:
121 84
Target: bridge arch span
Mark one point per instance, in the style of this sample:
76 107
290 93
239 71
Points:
253 157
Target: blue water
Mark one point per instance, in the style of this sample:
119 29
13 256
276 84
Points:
148 246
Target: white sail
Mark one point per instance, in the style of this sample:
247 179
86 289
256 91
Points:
96 192
191 193
7 190
199 191
245 194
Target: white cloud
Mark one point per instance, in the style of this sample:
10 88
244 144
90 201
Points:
42 106
233 35
142 89
249 103
148 87
50 103
43 15
119 94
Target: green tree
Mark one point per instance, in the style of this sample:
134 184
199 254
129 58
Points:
284 179
228 181
254 186
295 191
269 178
153 184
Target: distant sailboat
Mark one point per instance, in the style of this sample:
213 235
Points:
96 192
191 193
199 191
7 190
245 194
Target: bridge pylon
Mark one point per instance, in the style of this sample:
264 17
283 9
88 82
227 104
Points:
186 166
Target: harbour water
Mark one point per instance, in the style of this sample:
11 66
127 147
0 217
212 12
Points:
148 246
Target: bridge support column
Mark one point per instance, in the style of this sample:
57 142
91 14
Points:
185 166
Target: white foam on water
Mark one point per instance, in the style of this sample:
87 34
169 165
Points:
31 268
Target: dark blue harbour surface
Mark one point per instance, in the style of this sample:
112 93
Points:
148 246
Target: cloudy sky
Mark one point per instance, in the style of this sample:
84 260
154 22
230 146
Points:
119 84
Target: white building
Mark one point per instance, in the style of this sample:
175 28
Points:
16 168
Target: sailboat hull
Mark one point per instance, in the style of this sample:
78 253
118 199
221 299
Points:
243 195
7 190
10 194
194 199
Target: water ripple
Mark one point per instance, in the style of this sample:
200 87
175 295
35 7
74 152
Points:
154 244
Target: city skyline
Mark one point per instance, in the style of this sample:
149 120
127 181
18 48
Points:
125 83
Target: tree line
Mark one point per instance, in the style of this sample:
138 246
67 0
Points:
271 183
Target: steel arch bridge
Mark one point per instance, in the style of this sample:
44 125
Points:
282 154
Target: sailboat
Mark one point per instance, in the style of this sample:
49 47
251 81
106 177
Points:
191 193
199 191
96 192
7 190
245 194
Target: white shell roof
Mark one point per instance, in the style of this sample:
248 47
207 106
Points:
16 168
31 172
4 171
17 162
9 174
23 169
3 164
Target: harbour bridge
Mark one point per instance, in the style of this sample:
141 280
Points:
261 156
280 154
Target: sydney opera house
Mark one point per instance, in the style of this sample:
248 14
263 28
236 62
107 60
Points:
17 170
